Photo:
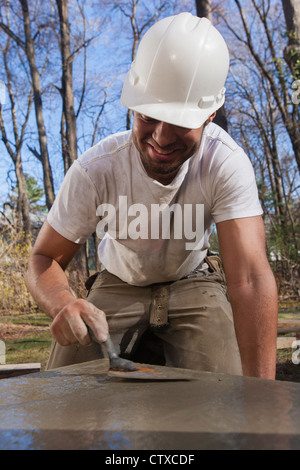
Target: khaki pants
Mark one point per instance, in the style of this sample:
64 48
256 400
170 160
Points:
186 323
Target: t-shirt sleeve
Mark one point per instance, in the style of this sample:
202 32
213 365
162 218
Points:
73 214
234 189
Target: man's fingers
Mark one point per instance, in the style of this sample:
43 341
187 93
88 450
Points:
63 336
70 325
95 319
80 332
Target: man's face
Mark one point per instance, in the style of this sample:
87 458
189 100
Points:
163 147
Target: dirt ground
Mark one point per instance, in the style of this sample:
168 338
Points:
10 332
286 370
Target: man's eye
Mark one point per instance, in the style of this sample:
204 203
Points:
148 119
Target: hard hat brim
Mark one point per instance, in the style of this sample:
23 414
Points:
175 113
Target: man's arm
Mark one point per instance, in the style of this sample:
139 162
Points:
253 293
49 287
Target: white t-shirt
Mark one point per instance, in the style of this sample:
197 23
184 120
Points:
150 232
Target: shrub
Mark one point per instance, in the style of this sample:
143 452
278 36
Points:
14 253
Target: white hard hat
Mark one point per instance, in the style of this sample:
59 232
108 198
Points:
179 72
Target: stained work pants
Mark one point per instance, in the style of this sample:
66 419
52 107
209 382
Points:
186 323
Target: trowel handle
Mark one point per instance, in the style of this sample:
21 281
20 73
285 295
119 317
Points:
111 348
116 362
112 353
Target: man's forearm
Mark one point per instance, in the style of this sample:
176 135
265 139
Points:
255 311
48 284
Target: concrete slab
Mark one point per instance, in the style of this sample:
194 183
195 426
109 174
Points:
82 407
286 342
13 370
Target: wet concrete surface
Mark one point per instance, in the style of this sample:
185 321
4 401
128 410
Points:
82 407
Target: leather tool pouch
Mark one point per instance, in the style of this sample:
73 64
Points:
159 306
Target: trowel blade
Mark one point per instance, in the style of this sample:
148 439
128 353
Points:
144 372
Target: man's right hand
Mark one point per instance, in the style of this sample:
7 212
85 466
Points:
49 287
70 324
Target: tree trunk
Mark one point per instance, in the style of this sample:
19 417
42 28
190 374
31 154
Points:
23 207
279 91
70 145
204 10
43 156
68 124
291 10
14 150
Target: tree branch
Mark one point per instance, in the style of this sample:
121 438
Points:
35 153
13 36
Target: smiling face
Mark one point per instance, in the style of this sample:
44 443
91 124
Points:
164 147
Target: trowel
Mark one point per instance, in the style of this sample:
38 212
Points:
126 369
115 361
150 372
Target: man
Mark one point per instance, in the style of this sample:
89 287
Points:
152 195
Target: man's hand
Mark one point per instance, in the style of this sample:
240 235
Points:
49 286
70 324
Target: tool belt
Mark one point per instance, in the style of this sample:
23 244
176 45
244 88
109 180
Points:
159 308
215 264
160 295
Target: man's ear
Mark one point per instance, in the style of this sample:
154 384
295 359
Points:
211 117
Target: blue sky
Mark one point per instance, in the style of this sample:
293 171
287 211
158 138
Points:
108 60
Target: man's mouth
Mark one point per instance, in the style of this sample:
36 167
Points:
162 154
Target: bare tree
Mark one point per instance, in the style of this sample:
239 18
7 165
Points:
35 76
291 10
69 138
69 115
14 151
28 47
70 46
262 117
204 10
14 148
272 70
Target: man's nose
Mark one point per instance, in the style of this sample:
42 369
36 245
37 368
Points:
164 134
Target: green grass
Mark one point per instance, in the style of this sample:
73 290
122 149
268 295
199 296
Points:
27 346
29 349
32 319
